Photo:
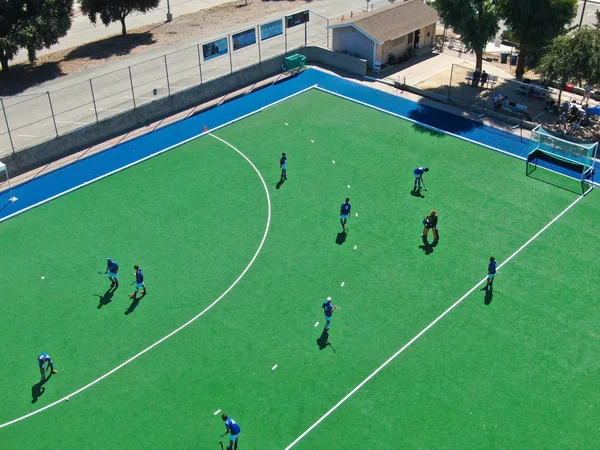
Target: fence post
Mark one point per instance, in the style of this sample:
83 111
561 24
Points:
285 35
450 83
199 64
167 73
258 36
94 100
305 34
230 51
12 145
52 112
132 91
328 30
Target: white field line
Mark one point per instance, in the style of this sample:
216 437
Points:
439 130
209 306
424 330
69 121
154 154
27 135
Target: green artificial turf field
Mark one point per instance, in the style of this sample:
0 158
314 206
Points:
516 369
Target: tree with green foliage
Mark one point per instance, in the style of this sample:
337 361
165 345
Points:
115 10
33 25
475 20
535 23
572 58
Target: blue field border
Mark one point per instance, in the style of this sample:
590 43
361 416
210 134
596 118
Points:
77 174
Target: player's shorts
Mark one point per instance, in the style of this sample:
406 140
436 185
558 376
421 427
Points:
328 319
139 285
491 275
284 167
417 175
431 228
233 437
112 275
344 216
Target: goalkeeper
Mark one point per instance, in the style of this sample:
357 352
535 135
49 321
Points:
430 223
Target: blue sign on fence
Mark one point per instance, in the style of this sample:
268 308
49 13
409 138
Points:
243 39
271 29
216 48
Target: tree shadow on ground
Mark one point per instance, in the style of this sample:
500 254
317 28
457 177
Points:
436 118
113 46
23 76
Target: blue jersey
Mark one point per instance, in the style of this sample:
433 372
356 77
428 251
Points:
345 209
419 171
283 160
44 357
232 427
139 276
328 309
492 267
112 266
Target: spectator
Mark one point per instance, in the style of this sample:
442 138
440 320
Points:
484 78
498 99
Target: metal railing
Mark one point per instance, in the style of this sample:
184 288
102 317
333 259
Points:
27 120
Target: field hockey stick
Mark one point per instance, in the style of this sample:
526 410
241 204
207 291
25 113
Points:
100 273
222 448
224 434
337 307
423 184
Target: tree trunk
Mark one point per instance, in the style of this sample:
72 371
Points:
478 59
4 62
559 95
123 27
523 47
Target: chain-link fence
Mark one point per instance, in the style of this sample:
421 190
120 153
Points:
27 120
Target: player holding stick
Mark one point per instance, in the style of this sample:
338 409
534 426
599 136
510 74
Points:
283 165
430 222
43 359
491 273
233 429
418 174
328 309
139 282
112 269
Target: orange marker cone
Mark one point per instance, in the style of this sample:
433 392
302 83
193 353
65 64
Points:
205 130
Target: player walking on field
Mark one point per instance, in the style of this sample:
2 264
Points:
418 174
430 223
43 359
233 430
112 269
139 282
283 165
491 273
328 308
345 213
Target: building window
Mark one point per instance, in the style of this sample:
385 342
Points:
410 38
398 42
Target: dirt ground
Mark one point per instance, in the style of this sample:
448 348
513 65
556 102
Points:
138 40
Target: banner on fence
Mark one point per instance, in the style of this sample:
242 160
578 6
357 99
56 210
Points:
243 39
214 49
297 19
271 29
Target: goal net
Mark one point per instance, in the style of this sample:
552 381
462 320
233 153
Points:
575 159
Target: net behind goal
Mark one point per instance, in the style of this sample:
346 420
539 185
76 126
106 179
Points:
577 158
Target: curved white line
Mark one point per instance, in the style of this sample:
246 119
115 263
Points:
185 324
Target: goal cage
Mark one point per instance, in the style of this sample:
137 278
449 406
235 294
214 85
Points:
577 159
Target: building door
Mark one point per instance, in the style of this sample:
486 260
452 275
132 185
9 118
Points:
417 38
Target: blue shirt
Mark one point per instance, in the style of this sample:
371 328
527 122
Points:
232 427
139 276
44 358
328 309
492 267
345 209
419 171
283 160
112 267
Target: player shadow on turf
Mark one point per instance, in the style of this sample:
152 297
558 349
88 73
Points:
134 303
279 184
323 341
427 247
341 238
417 193
489 294
38 389
107 297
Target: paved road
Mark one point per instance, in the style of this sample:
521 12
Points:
117 86
589 14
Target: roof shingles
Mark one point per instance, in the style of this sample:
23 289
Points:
395 20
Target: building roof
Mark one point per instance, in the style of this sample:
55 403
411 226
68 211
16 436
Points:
393 21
